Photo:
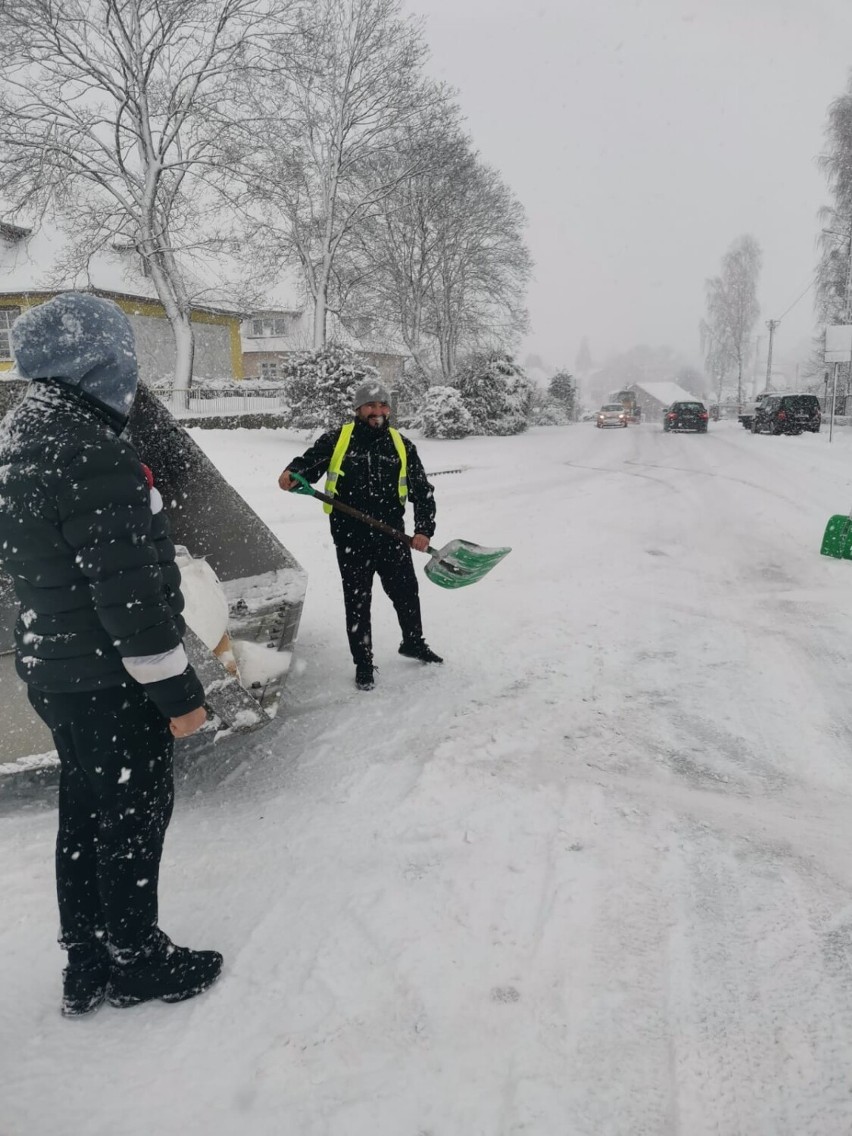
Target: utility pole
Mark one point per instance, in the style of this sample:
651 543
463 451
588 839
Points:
771 324
756 365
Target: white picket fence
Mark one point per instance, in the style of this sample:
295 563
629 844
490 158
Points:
201 402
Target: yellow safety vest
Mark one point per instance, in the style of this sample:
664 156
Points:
335 471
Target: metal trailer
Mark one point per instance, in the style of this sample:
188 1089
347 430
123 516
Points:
264 584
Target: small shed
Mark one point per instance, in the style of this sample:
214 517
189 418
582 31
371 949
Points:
653 398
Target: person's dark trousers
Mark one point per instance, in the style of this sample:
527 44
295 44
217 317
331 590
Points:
116 792
359 561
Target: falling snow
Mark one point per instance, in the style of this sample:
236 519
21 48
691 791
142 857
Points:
591 876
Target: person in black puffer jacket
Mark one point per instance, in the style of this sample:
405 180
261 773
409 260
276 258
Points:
98 642
374 468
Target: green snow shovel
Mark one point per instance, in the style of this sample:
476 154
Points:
454 566
837 540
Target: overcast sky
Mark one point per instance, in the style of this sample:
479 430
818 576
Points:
643 136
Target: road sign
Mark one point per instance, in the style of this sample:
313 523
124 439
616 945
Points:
838 343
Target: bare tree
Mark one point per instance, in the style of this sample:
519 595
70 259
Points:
446 260
478 289
392 260
718 358
327 123
113 109
732 312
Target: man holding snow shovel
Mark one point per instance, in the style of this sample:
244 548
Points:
371 466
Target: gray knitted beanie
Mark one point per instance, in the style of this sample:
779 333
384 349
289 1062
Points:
371 392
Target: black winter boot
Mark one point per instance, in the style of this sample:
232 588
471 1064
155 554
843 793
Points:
162 971
365 676
84 980
419 650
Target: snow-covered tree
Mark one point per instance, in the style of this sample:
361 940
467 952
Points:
327 126
732 311
114 110
443 414
563 390
834 271
321 386
546 411
445 260
497 393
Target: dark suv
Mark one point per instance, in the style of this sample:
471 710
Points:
787 414
686 416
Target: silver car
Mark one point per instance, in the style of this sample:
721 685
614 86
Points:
611 414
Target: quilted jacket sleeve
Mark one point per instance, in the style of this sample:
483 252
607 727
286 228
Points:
314 461
421 492
105 516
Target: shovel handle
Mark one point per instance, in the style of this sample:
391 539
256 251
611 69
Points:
306 487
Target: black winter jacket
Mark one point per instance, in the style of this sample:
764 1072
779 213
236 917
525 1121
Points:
92 566
370 481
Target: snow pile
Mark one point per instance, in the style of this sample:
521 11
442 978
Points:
258 663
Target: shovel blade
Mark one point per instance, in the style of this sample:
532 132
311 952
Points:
461 562
837 540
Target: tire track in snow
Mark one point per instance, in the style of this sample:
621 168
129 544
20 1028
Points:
755 1048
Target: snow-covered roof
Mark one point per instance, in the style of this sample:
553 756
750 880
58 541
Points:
666 393
33 262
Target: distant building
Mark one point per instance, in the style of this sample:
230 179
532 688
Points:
272 336
29 275
653 398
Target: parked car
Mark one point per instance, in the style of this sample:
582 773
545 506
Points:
787 414
686 416
746 416
612 414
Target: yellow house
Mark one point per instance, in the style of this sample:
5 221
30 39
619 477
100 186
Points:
27 259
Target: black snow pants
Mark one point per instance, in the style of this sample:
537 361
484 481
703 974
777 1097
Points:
359 560
116 792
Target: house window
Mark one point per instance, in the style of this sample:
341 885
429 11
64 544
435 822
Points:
7 318
268 326
269 371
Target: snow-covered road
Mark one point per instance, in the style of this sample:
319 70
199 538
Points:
593 877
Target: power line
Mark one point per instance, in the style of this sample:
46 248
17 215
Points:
797 300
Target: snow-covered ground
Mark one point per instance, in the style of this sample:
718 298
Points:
592 877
